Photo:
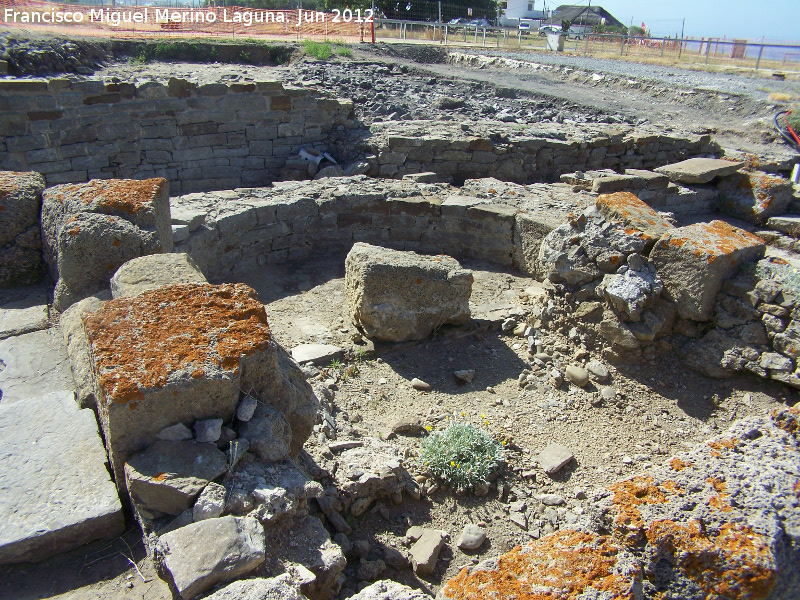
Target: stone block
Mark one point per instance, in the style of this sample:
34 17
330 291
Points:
530 229
788 224
653 180
699 170
71 325
146 273
55 491
754 196
166 478
626 208
181 353
617 183
33 363
20 239
399 296
195 558
90 229
694 261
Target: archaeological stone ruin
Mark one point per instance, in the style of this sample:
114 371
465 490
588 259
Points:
164 370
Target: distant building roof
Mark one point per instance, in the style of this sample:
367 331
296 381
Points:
584 15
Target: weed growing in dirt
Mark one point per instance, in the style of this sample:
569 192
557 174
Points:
344 50
320 51
462 455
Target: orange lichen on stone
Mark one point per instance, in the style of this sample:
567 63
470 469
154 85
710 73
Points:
723 444
628 496
138 343
9 183
786 420
737 564
561 566
641 219
676 464
128 195
672 487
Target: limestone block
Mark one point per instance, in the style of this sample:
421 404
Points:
389 590
197 557
530 229
145 273
274 588
20 236
33 363
90 229
398 296
182 353
694 261
168 476
71 325
626 208
699 170
754 196
55 491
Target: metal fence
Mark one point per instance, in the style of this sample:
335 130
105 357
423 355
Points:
358 25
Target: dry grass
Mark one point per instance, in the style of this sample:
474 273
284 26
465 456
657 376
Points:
779 97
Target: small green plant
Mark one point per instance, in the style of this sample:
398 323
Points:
320 51
344 51
335 365
244 56
139 59
462 455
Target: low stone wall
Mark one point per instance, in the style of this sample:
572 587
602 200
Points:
235 231
523 153
214 136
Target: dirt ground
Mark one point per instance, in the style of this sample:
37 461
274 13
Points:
660 406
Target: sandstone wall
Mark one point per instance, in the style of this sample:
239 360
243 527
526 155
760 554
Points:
214 136
524 153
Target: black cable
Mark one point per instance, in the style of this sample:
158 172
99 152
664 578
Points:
784 134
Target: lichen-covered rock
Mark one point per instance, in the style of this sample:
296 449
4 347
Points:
754 196
694 261
399 296
626 208
586 564
720 521
150 272
90 229
182 353
20 234
389 590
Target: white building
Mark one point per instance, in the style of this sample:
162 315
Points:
512 11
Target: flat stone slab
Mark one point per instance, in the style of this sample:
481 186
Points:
788 224
319 354
626 208
754 196
554 457
200 555
699 170
23 310
146 273
693 262
35 363
55 490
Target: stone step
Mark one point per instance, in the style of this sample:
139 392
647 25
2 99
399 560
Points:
55 490
788 224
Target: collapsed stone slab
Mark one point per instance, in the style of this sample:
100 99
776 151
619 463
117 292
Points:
182 353
699 170
754 196
693 262
145 273
626 208
90 229
398 296
55 491
194 558
20 234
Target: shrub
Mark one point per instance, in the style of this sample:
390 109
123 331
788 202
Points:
462 455
320 51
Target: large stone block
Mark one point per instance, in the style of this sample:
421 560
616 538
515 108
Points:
182 353
699 170
151 272
694 261
626 208
398 296
20 238
90 229
754 196
55 491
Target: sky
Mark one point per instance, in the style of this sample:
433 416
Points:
771 19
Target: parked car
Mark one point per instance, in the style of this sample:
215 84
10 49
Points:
545 29
458 21
479 23
524 28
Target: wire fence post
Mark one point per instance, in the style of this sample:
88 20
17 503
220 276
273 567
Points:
663 43
708 49
586 46
621 44
760 52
